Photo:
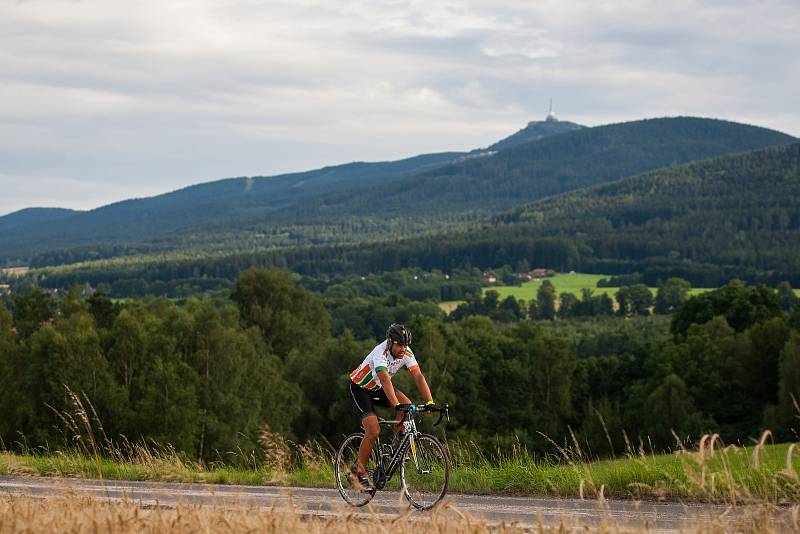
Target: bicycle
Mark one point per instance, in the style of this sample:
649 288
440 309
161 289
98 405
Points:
424 484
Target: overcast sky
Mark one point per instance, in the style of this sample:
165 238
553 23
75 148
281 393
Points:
102 100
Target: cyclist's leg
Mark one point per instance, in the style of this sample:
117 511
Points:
371 430
364 401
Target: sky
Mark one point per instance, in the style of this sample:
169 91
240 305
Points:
104 100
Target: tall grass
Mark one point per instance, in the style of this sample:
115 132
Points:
762 473
713 471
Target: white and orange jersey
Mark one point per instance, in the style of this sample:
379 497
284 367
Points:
381 359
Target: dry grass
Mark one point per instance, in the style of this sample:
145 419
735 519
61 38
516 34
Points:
83 515
78 515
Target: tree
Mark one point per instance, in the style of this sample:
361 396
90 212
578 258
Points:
102 309
31 310
767 341
509 310
224 359
742 307
287 316
67 354
711 362
602 305
786 297
9 374
671 409
545 301
634 300
479 345
163 396
491 299
568 306
71 302
782 418
536 369
322 376
671 295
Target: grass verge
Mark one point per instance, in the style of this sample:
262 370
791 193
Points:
760 473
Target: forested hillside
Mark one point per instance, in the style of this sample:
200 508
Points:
219 202
21 218
535 131
708 222
374 202
554 165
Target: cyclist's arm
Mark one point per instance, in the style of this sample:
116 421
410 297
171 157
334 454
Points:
422 384
388 388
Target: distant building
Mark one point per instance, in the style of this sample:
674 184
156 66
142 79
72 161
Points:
532 275
489 277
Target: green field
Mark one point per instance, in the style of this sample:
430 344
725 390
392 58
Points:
568 283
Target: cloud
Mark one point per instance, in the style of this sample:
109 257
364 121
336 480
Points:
150 96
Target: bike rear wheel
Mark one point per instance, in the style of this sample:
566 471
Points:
425 472
347 456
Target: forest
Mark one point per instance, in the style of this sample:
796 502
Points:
206 375
706 222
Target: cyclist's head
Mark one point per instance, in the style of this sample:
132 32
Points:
399 334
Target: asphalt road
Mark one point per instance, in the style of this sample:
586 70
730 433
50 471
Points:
525 511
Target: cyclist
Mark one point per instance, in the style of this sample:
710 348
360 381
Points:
371 385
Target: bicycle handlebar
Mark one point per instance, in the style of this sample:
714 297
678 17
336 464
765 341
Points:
422 408
443 411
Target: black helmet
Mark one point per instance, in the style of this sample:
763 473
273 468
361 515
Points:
399 334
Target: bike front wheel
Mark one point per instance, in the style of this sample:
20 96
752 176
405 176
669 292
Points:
346 457
425 472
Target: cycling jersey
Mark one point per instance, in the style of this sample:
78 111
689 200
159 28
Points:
381 359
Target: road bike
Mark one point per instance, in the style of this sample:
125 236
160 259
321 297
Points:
421 458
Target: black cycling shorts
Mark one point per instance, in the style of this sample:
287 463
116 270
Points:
365 399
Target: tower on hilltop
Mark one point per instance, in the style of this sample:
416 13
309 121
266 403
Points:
551 117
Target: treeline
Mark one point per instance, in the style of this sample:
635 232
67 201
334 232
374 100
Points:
320 267
206 375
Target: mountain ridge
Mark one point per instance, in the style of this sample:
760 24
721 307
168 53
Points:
431 186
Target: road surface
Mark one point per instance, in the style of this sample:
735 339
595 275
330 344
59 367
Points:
525 511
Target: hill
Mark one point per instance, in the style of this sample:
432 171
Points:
469 189
535 131
708 222
375 201
231 199
30 216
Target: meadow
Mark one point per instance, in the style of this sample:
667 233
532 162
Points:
570 283
573 283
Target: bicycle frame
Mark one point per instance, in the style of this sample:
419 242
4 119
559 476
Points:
382 476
